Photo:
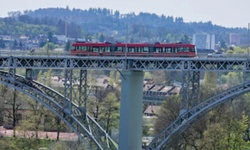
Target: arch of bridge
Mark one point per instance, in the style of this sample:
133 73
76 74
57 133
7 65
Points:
184 121
56 106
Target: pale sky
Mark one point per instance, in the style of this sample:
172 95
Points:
227 13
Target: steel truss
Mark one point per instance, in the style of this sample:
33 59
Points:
191 68
190 93
185 120
83 89
68 89
55 102
130 63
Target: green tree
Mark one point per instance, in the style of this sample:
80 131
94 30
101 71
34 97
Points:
50 37
67 46
213 137
101 38
210 80
234 78
169 111
40 76
48 77
111 78
110 112
34 116
12 104
235 130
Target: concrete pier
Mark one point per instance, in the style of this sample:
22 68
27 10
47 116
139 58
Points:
130 131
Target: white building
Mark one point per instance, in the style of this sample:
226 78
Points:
204 41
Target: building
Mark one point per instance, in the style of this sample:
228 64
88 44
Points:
234 39
204 41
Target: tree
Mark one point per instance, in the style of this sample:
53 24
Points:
33 117
67 46
48 77
234 78
169 111
184 39
159 77
235 129
13 104
213 137
50 37
111 78
110 112
210 80
101 38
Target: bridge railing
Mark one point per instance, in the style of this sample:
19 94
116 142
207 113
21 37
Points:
33 53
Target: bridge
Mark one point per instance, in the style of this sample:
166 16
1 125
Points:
131 68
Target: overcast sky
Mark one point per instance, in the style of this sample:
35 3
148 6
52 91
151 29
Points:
227 13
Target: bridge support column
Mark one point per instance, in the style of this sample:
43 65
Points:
130 131
83 91
29 74
190 91
12 72
68 89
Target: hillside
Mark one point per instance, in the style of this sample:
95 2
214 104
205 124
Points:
120 27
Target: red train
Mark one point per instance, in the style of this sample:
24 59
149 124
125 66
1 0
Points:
133 49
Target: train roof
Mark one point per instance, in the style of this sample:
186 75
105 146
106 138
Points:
130 44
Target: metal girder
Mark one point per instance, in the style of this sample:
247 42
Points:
185 120
68 89
193 64
246 73
190 93
54 101
83 89
126 63
29 74
191 67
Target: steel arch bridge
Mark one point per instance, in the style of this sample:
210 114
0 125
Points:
79 121
84 126
184 121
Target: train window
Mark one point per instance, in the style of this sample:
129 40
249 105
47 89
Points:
73 48
107 49
145 49
78 48
179 49
161 50
168 49
95 49
138 49
157 49
131 49
84 48
89 48
174 50
119 49
185 49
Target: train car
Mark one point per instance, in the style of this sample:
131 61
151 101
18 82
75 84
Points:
174 50
91 49
133 49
